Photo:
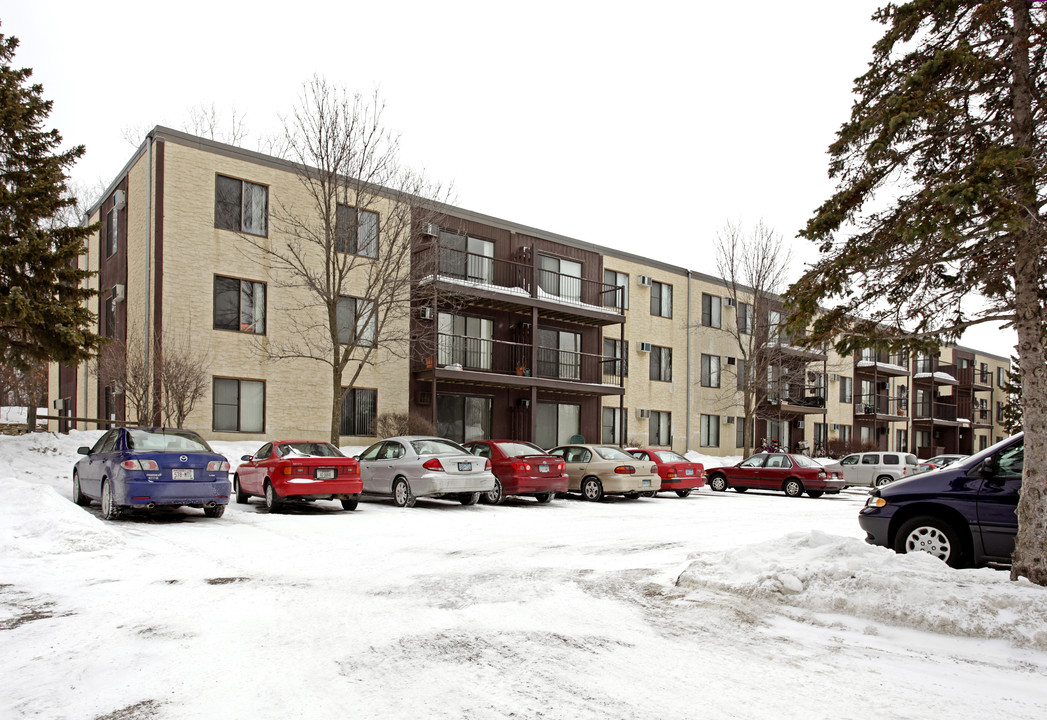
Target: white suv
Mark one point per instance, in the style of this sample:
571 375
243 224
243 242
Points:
872 469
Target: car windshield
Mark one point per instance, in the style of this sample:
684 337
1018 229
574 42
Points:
437 446
309 449
670 456
804 461
754 461
612 453
166 441
519 449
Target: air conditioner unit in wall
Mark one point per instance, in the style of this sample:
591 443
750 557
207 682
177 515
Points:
642 414
835 426
119 293
425 312
643 347
729 301
430 229
728 360
644 280
834 377
119 200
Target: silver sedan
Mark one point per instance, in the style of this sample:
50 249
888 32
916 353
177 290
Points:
412 466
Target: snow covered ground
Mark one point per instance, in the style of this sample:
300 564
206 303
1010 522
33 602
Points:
717 605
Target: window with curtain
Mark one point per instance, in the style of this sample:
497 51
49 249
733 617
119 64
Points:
709 431
710 371
359 408
557 423
559 277
619 350
620 299
463 417
661 299
614 426
466 341
660 430
241 206
356 231
357 323
661 363
711 310
238 405
239 305
559 354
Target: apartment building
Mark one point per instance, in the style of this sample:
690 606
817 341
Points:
515 332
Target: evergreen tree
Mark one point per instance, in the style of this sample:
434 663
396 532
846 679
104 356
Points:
937 222
1012 408
43 315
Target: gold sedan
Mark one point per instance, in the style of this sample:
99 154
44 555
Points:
598 470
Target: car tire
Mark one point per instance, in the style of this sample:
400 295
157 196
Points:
683 493
718 483
214 512
930 534
592 489
815 493
402 495
349 504
241 496
741 489
544 498
792 487
468 498
78 495
493 497
649 493
883 480
272 500
110 510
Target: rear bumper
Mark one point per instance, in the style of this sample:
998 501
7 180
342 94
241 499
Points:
533 485
311 487
445 484
682 483
140 493
625 484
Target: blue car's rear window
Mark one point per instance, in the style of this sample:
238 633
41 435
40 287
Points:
155 441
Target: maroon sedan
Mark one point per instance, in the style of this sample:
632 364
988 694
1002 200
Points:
520 468
677 472
792 474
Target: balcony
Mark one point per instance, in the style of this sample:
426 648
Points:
880 363
512 286
881 407
789 345
928 369
936 413
482 361
794 399
974 379
969 410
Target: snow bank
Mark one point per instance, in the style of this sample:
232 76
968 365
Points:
821 573
38 522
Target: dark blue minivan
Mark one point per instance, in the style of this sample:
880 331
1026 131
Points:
963 514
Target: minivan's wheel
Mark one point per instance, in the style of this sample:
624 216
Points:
683 493
793 487
468 498
718 483
592 489
402 495
214 512
272 500
929 534
494 497
110 510
241 496
78 495
351 503
883 480
544 498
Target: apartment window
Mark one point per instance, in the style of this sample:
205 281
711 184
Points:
774 325
559 277
661 299
661 363
614 426
710 310
999 411
356 231
238 405
846 433
463 417
1001 377
741 371
924 363
709 431
110 316
240 205
923 439
357 322
985 375
868 355
901 440
467 257
239 305
983 442
846 390
359 408
619 350
619 299
739 432
821 434
660 432
559 354
466 341
710 371
745 317
557 423
111 233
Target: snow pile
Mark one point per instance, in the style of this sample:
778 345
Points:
821 573
41 522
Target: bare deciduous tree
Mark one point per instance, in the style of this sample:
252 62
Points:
392 424
348 252
205 120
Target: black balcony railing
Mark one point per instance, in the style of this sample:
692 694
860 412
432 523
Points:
880 405
973 376
927 410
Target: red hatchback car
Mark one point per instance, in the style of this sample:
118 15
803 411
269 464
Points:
677 472
792 474
520 468
299 470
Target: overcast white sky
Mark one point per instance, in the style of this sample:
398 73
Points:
638 126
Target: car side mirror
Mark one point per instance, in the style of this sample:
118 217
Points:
245 458
988 467
83 450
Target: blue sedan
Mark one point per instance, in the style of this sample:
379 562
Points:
146 468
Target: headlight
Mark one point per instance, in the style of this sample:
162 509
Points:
875 501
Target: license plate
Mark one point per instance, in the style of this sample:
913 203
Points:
465 466
182 474
325 473
543 468
688 471
646 483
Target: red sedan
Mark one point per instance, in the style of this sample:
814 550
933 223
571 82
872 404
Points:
299 470
520 468
792 474
677 472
